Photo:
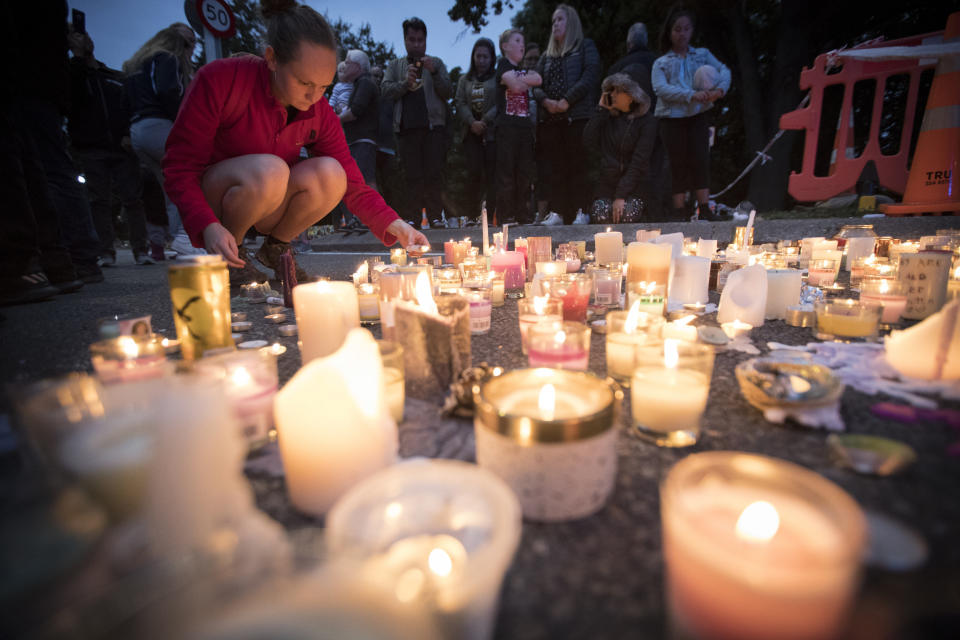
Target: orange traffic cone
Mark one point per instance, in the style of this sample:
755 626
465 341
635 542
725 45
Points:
933 183
424 223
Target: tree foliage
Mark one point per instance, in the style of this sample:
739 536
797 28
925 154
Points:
379 52
766 43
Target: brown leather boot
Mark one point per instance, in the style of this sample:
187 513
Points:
246 274
269 255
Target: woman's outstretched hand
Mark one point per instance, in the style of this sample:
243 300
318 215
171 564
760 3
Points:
406 235
218 240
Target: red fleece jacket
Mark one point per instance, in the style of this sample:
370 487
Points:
213 125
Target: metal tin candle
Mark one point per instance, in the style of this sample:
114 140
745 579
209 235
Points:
551 435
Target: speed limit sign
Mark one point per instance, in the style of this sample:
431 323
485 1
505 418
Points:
217 17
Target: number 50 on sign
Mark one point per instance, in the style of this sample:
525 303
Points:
217 17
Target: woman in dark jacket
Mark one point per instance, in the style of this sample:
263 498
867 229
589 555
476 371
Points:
476 102
623 132
157 77
570 69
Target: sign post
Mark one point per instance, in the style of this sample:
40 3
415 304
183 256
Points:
218 23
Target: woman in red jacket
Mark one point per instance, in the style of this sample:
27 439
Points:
235 156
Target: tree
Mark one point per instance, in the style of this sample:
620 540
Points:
249 36
474 12
379 52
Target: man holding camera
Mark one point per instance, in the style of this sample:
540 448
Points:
419 87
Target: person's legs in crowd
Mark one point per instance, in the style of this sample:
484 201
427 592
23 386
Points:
506 167
98 185
155 211
573 170
551 138
699 154
129 187
43 123
490 178
673 133
434 152
542 185
474 157
411 147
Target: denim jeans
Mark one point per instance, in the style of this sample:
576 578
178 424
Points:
149 139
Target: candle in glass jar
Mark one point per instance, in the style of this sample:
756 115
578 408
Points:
398 256
480 309
574 289
552 267
886 292
250 384
512 264
563 345
497 288
822 273
626 330
326 312
368 299
755 546
534 310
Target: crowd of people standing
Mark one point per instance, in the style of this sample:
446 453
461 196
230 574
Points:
527 121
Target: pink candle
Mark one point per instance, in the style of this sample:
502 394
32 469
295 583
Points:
575 304
887 293
512 264
819 276
563 357
564 345
449 252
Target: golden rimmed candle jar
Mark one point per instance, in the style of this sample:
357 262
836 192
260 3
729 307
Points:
846 318
551 435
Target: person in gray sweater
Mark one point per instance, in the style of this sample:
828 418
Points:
476 110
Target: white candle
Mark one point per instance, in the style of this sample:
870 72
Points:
735 328
398 256
368 301
608 247
806 249
783 290
680 330
929 350
744 296
691 277
626 330
534 310
648 262
552 268
647 235
706 248
755 546
667 399
859 248
326 312
326 453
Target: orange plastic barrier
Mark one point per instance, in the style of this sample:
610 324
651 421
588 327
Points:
933 183
845 169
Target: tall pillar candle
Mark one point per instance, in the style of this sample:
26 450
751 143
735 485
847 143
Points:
539 249
324 456
511 265
783 290
675 240
707 248
608 247
744 297
648 262
647 235
691 276
326 312
924 275
859 248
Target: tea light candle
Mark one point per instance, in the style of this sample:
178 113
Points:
783 290
127 359
552 267
735 328
398 256
753 546
535 310
170 345
239 327
886 292
681 330
276 349
563 345
322 459
238 316
551 436
368 302
327 311
625 330
512 264
669 389
480 308
250 383
651 296
287 330
276 318
608 247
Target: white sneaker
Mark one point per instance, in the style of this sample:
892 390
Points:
182 245
553 219
581 218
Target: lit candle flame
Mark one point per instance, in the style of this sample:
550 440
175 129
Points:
884 286
560 337
394 509
540 305
633 318
684 321
424 294
129 347
758 522
440 562
240 377
671 355
547 401
608 229
648 287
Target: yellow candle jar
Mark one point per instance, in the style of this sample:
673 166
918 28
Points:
846 318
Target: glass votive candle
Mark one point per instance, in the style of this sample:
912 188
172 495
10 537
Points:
127 359
574 289
845 318
822 272
368 300
512 264
561 345
438 534
650 296
391 355
497 288
569 254
886 292
606 285
626 330
552 267
473 274
669 389
480 309
448 279
250 382
534 426
533 310
398 256
754 546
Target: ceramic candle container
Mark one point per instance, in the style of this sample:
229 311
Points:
563 345
669 389
754 546
551 435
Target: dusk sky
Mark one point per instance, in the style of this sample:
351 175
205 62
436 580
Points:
119 27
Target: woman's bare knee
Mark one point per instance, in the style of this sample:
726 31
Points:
268 180
328 177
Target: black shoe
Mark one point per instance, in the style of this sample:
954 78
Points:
64 277
89 273
28 287
108 260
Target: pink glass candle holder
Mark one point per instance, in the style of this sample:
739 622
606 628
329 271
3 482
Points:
607 284
562 345
888 293
574 289
531 311
822 272
480 309
512 264
754 546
